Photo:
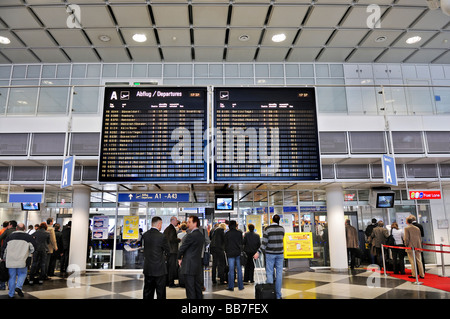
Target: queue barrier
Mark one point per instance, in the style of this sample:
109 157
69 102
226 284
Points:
442 252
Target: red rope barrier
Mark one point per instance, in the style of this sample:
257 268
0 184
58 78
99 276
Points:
435 245
419 249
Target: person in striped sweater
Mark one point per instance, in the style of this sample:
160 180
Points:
272 246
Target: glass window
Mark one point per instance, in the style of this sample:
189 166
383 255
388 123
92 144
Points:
52 99
22 100
86 99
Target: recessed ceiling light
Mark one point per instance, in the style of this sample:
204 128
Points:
413 40
279 37
4 40
381 39
139 37
244 38
104 38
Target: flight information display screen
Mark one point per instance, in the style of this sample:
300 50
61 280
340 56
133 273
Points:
265 134
153 134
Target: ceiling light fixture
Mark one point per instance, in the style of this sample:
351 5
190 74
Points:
279 37
244 38
4 40
381 39
104 38
413 40
139 37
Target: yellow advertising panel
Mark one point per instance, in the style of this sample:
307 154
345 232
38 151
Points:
130 227
298 245
257 221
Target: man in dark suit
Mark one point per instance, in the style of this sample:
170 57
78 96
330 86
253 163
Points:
171 234
156 248
189 259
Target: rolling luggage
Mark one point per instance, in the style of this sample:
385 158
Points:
263 290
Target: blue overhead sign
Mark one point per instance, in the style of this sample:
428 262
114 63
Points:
389 170
154 197
67 172
25 198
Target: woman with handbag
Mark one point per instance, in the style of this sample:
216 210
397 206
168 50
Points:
398 254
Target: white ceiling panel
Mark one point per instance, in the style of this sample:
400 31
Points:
425 56
208 54
287 16
441 41
174 37
432 20
335 54
18 18
365 55
81 55
400 18
373 39
113 54
248 16
347 38
171 15
95 34
53 17
359 17
177 54
14 42
303 54
20 56
69 37
252 36
210 36
395 55
51 55
313 37
95 17
209 16
35 38
325 16
132 16
268 54
444 59
145 54
240 54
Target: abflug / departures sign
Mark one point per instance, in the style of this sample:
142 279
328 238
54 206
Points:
148 134
265 134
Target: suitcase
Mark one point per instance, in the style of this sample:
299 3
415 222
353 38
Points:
263 290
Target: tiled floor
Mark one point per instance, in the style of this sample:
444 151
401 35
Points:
317 284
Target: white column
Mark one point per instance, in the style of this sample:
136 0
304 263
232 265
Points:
336 229
80 226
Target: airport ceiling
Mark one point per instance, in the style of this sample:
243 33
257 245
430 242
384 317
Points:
208 31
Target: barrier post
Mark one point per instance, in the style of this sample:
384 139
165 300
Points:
415 267
384 263
442 260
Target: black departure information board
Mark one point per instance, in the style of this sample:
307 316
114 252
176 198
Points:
153 134
265 134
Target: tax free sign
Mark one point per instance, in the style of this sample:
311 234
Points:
389 170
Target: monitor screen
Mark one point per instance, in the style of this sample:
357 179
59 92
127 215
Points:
224 202
30 206
385 200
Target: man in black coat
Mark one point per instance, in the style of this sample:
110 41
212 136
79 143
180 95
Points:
233 249
171 234
190 261
156 248
252 242
218 252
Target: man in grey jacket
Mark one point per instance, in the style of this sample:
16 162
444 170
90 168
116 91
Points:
15 250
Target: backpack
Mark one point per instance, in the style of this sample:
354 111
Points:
390 241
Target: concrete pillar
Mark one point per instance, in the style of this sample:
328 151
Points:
80 228
336 229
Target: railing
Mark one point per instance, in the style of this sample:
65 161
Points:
441 251
362 99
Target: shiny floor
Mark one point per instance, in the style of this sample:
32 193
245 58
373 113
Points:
313 284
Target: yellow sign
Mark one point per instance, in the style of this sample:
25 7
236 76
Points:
130 227
298 245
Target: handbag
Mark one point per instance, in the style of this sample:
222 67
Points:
4 272
243 258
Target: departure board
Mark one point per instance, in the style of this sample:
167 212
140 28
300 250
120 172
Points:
153 134
265 134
